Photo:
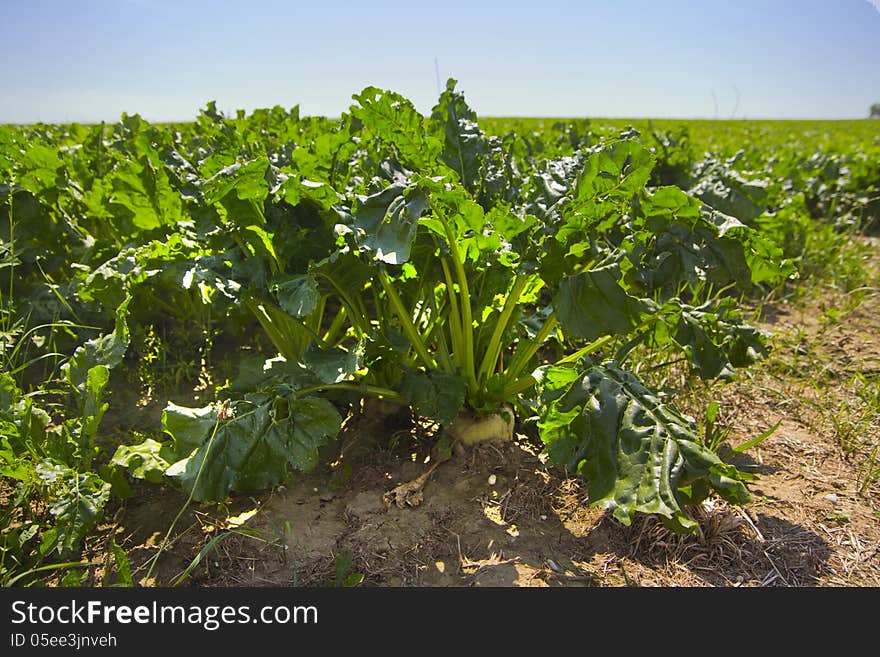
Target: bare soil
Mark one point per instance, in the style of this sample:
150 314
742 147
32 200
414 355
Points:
497 515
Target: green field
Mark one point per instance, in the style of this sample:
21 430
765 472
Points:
258 276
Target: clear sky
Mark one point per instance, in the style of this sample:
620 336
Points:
90 60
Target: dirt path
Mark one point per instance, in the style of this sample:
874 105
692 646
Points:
498 516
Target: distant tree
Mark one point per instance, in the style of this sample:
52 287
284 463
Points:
875 111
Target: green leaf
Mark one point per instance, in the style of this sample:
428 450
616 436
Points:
147 460
188 427
107 350
75 500
298 296
619 171
717 342
434 394
290 336
593 303
144 190
634 450
394 120
258 374
93 408
464 142
688 241
10 464
122 565
259 244
295 190
240 189
254 448
386 222
333 364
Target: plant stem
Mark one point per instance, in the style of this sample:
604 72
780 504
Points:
593 346
521 358
375 391
490 359
467 320
514 388
406 323
454 314
335 326
354 306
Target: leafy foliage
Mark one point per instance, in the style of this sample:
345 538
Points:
444 262
636 451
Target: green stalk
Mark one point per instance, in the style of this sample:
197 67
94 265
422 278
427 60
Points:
455 316
316 318
335 326
355 308
52 566
519 385
437 320
467 320
514 388
521 358
376 391
493 352
409 329
443 354
593 346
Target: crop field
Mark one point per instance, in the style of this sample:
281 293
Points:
406 349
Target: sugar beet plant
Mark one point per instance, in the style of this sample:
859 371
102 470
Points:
476 279
422 262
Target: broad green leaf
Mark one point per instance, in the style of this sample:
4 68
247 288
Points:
76 501
333 364
258 374
464 142
144 191
259 244
240 189
634 449
254 448
434 394
715 339
619 171
593 303
386 222
107 350
393 119
689 242
295 190
11 465
147 460
298 296
188 426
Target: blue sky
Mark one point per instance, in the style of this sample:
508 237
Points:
93 60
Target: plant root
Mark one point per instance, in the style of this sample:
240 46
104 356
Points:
469 429
409 493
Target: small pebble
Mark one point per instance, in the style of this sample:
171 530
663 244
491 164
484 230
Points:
831 497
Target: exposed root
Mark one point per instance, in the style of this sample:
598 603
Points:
409 493
469 429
